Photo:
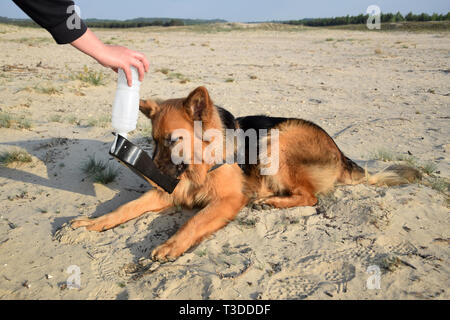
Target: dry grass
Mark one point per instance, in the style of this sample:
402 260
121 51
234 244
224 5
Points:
173 75
89 76
102 121
15 156
440 184
8 120
47 89
100 171
32 41
55 118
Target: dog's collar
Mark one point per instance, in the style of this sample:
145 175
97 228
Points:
228 122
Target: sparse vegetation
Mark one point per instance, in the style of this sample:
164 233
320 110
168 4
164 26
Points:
429 168
174 75
100 171
440 185
49 89
72 120
55 118
386 155
15 156
112 40
409 160
91 122
92 166
201 253
163 70
102 121
106 176
89 76
179 76
8 120
230 27
32 41
383 155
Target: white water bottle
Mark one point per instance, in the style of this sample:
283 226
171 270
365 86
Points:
126 103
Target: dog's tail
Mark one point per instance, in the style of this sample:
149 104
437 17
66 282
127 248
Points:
393 175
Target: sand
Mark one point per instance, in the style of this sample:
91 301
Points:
371 91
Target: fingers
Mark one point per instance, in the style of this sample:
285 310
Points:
141 57
127 70
138 64
123 58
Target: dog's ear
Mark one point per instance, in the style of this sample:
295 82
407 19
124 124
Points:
198 104
149 107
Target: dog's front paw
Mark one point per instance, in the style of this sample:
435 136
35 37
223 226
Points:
168 251
90 224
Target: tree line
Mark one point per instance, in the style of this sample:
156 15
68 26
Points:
314 22
362 19
133 23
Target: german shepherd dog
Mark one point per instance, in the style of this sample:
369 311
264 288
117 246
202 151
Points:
310 163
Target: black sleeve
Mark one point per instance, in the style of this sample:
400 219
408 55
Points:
53 15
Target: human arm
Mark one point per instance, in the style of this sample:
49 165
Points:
53 15
58 17
112 56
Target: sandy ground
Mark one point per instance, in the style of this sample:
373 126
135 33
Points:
369 90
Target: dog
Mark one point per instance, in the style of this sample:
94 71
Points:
309 163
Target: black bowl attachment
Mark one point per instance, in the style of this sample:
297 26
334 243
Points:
141 163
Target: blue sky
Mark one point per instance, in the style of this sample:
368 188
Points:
237 10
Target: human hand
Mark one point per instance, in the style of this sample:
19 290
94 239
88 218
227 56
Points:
116 57
113 57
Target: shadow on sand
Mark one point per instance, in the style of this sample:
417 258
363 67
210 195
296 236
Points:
63 159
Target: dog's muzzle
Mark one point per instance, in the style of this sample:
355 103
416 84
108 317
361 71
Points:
141 163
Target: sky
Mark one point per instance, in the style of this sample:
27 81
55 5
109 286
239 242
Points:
237 10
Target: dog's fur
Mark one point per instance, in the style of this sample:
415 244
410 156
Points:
309 163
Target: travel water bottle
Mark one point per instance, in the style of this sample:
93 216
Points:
125 112
126 103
